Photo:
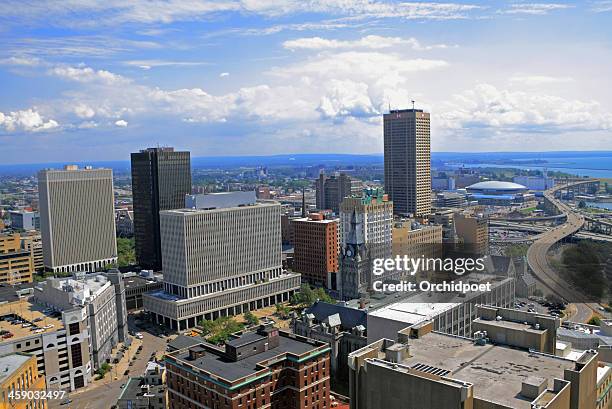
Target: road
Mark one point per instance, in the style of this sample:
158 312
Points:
104 395
538 260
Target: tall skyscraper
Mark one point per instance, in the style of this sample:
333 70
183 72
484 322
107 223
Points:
408 161
221 256
77 218
366 225
161 178
332 189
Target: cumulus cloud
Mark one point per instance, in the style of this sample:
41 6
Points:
84 111
487 106
21 61
224 74
26 120
86 74
367 42
121 123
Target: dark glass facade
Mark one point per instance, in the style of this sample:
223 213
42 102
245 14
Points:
161 178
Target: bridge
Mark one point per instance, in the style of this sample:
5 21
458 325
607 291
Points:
537 252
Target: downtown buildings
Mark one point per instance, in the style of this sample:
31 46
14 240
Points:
366 225
77 218
266 368
161 177
19 375
16 263
331 190
221 257
408 161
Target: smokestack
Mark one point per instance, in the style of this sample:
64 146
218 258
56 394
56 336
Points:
303 203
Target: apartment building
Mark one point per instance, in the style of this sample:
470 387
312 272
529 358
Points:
221 259
267 368
16 264
315 249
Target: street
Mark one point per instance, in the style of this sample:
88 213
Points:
104 394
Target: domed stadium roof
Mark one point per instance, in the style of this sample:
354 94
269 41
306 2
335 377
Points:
496 185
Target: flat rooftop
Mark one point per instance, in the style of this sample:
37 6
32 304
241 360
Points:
29 312
136 281
216 362
497 372
10 363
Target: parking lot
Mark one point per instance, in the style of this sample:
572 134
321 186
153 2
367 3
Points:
541 306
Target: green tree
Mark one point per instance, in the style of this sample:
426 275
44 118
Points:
250 318
219 330
282 311
595 321
126 253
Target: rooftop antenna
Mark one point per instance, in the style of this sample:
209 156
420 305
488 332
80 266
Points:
413 104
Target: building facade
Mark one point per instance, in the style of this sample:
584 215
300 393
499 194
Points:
473 232
161 177
100 300
60 341
24 220
220 261
315 254
77 218
365 234
16 264
264 369
408 161
19 374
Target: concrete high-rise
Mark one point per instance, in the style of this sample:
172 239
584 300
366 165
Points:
408 161
366 225
331 190
220 257
161 177
77 218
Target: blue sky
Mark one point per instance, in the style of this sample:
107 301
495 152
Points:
90 80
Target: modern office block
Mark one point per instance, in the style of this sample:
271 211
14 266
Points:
161 177
24 220
366 225
77 218
408 161
220 261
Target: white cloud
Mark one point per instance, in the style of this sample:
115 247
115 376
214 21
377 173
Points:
534 8
518 111
148 64
602 6
86 74
84 111
26 120
21 60
539 79
367 42
168 11
121 123
224 74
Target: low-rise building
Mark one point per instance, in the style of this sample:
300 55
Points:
450 313
262 369
24 220
19 374
137 285
342 328
16 264
424 369
145 392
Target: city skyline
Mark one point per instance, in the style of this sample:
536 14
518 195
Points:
240 78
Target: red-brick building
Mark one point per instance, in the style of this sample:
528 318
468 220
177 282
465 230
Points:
256 370
315 253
